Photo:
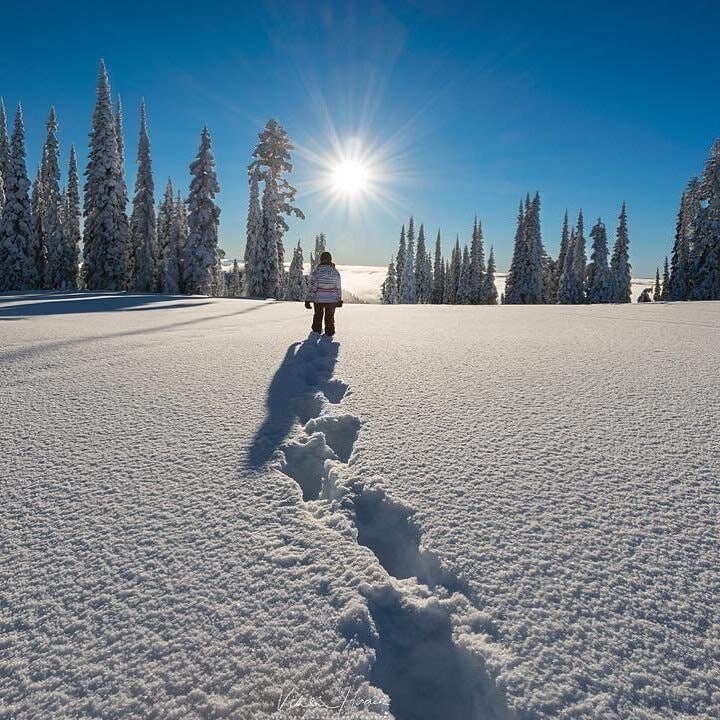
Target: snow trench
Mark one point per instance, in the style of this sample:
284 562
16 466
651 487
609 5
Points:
421 624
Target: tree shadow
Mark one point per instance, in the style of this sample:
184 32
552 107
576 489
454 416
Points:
59 303
293 394
20 353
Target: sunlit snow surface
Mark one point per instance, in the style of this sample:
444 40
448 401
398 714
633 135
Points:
158 558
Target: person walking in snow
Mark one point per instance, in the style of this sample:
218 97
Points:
325 292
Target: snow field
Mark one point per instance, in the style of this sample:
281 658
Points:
503 512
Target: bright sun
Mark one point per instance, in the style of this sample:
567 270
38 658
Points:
350 177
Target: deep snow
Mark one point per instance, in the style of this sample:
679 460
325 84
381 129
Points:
206 514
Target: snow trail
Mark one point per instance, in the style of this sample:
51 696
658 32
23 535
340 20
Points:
423 663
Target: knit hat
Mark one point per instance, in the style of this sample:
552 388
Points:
325 258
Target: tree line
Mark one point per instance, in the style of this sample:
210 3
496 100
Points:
533 278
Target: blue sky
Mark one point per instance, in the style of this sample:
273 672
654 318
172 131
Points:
466 106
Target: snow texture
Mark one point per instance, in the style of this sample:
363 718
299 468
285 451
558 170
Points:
523 525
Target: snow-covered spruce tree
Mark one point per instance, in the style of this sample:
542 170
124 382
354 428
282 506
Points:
168 265
455 269
272 160
580 255
549 279
235 289
201 255
400 259
488 291
37 250
16 229
181 232
408 288
599 281
320 247
516 281
218 287
564 240
447 287
4 152
692 216
423 274
253 238
477 261
296 286
143 232
644 296
665 292
105 238
71 227
438 273
570 288
657 290
267 262
680 260
464 292
57 251
535 253
620 261
705 252
389 290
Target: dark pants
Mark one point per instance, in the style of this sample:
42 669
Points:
328 310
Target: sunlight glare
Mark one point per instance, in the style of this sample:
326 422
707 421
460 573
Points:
350 177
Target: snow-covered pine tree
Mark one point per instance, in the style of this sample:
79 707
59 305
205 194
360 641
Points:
570 287
201 254
218 288
516 281
4 152
657 291
680 261
423 274
438 273
389 290
535 253
37 250
564 240
180 228
549 279
600 287
400 259
168 264
620 261
235 284
464 293
105 239
706 236
296 285
57 252
320 247
692 216
447 286
644 296
580 255
477 262
71 227
488 291
272 159
254 281
267 256
16 227
143 232
408 288
455 269
665 292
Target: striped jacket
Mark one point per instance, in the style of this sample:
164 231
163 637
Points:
324 286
